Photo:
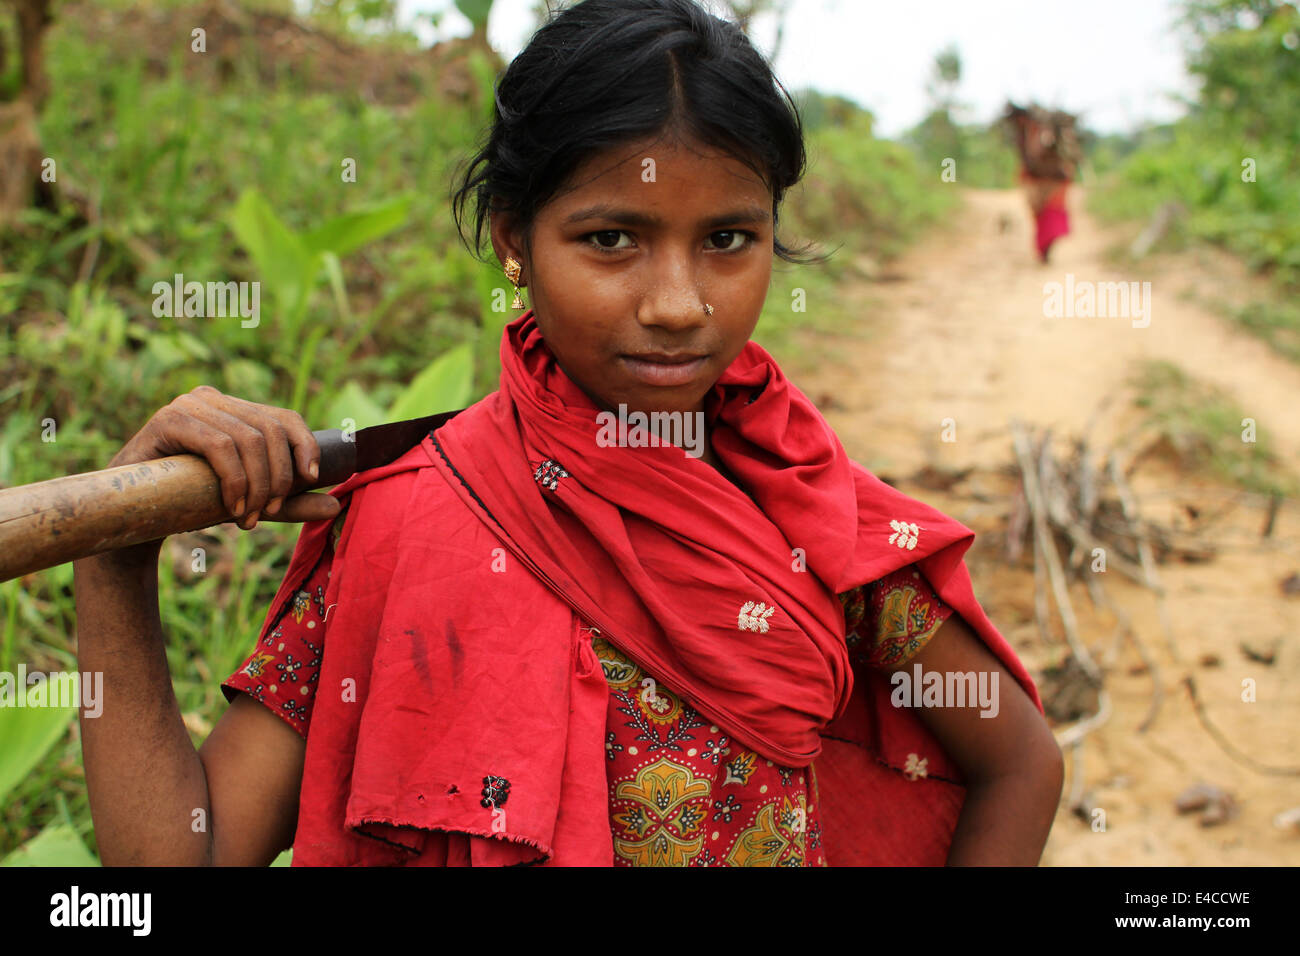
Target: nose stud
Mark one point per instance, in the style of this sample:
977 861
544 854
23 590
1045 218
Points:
708 309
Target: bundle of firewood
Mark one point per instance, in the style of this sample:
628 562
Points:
1047 140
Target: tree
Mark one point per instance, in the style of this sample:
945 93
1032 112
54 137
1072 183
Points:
938 135
1246 54
944 78
20 145
477 12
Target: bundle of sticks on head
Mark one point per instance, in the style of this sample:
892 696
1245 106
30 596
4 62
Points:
1047 140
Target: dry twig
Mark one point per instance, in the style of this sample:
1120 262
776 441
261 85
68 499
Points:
1228 748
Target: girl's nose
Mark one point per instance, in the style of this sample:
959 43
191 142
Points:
673 299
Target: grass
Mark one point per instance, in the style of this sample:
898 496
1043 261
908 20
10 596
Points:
1277 323
1254 215
1208 431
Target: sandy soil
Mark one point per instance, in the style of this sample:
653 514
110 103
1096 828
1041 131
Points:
957 330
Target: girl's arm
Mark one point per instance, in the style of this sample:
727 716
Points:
1013 768
154 799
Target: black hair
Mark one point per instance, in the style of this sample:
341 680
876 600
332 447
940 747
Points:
603 73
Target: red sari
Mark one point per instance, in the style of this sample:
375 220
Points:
1051 219
463 705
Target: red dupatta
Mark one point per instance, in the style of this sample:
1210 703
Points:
473 732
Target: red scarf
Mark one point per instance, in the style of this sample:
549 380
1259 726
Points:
453 666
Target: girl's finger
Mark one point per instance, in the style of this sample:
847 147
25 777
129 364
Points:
309 506
254 450
305 448
270 422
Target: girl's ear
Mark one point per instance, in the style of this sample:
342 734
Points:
506 241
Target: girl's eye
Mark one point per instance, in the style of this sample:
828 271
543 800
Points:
733 234
608 234
729 235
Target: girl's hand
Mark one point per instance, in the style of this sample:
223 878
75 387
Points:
257 451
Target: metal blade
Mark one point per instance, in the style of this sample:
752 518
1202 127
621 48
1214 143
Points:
371 447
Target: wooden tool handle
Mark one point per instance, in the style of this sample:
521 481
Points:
64 519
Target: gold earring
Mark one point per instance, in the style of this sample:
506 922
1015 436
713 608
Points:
512 273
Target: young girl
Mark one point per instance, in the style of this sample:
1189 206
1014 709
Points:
534 638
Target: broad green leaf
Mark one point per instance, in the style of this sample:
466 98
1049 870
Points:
355 404
27 734
442 387
352 230
284 265
56 845
334 272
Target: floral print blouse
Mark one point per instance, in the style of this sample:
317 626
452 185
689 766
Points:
682 792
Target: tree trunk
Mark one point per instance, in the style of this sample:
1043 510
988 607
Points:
34 18
20 143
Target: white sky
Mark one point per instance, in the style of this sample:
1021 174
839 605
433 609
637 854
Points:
1114 61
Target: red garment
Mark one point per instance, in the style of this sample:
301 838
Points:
1051 220
682 792
455 682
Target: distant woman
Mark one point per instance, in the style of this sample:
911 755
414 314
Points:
520 643
1046 143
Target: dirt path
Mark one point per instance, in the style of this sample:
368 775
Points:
970 301
960 333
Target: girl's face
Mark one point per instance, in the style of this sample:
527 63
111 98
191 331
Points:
624 261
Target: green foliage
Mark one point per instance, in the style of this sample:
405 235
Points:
26 735
1247 57
866 193
947 67
977 154
817 110
56 845
476 12
341 16
292 264
1204 427
444 386
1277 323
1234 161
862 199
982 157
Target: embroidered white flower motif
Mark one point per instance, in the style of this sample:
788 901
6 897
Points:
915 767
753 617
906 534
